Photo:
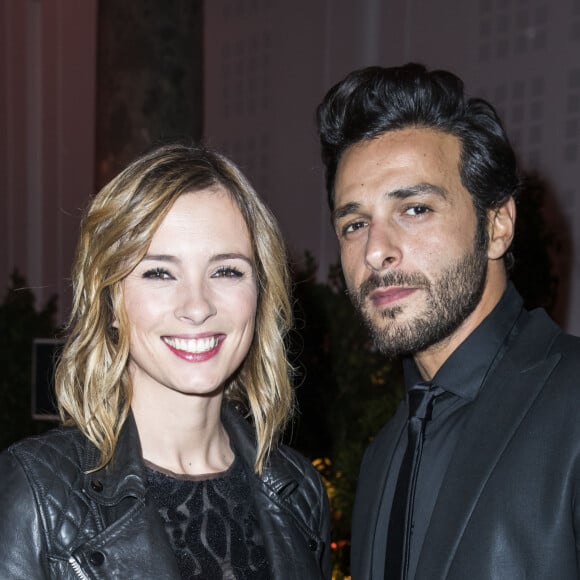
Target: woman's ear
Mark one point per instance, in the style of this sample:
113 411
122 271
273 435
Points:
501 228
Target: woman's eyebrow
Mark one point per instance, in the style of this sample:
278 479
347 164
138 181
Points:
215 258
231 256
160 258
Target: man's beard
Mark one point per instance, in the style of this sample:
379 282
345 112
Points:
451 298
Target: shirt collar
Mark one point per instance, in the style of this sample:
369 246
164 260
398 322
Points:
464 371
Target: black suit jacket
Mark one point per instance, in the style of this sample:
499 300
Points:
509 506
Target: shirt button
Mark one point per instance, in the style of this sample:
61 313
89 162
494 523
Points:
97 558
312 545
97 485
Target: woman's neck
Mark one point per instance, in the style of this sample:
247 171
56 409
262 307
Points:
183 433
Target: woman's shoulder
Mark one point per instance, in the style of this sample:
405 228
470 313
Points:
54 441
45 474
300 487
286 470
295 460
59 453
288 467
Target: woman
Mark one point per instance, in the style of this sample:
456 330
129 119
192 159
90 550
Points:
178 322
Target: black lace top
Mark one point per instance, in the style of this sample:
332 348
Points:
210 523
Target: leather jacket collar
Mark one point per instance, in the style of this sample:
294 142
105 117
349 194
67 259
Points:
125 475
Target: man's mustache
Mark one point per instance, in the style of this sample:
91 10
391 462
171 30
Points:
391 278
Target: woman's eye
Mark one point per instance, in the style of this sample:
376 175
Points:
227 272
157 274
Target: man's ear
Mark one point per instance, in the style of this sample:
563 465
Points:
501 228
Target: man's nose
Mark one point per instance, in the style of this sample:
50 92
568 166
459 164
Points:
382 248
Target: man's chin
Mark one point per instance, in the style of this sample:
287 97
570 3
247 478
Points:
394 335
382 319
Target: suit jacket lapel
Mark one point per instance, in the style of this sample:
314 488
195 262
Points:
375 468
501 406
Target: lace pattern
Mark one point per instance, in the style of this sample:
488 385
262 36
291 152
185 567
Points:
210 524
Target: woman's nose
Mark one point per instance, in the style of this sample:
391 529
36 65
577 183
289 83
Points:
195 304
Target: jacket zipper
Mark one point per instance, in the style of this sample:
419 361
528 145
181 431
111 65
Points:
77 569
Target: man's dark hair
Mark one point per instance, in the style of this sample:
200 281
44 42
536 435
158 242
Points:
374 100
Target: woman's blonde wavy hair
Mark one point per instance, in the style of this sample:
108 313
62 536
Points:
92 378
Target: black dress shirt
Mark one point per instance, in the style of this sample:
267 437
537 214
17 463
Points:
461 377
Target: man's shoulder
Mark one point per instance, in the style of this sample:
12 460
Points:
568 345
543 328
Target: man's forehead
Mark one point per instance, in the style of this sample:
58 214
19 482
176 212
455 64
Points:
397 160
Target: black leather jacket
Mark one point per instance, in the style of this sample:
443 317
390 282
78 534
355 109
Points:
57 521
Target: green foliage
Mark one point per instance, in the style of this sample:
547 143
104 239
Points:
20 323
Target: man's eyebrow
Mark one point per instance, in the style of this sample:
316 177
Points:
344 210
400 193
418 189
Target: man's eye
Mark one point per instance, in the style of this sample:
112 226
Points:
227 272
353 227
417 210
157 274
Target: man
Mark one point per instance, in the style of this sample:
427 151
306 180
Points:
477 477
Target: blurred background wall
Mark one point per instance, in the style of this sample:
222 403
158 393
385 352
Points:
47 137
85 86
